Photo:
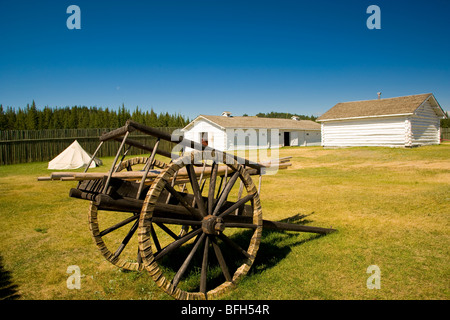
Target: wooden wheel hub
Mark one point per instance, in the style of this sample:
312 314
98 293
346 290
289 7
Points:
212 225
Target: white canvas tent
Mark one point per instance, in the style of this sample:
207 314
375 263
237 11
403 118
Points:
72 157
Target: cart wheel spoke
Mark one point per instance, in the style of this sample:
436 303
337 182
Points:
182 200
126 239
204 272
220 187
237 205
196 189
167 230
177 243
187 261
234 245
155 238
118 225
203 186
212 186
226 191
221 261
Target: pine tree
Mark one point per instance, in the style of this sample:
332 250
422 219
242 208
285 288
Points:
72 119
20 123
47 118
445 123
11 118
3 120
30 118
153 120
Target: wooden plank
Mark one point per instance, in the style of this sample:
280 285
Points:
129 175
116 133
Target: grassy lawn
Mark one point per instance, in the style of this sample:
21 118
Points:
391 207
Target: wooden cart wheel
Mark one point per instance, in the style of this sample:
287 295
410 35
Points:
221 245
115 234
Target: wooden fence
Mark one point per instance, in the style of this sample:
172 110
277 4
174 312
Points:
445 133
20 146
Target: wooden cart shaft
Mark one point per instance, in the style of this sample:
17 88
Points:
179 213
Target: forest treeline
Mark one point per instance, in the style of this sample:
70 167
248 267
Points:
285 115
82 117
445 123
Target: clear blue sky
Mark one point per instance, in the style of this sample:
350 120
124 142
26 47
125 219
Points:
204 57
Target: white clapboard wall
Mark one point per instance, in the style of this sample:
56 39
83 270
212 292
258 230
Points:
424 126
380 131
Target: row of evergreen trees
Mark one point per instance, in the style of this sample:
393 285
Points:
32 118
445 123
285 115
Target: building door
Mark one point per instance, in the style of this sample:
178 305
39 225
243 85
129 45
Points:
287 139
204 138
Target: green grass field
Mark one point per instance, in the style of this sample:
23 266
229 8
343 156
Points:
391 207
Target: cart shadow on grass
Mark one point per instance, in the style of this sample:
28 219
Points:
275 245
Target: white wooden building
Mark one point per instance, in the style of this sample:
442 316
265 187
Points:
403 121
227 132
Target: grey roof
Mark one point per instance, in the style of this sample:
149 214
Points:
257 122
382 107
